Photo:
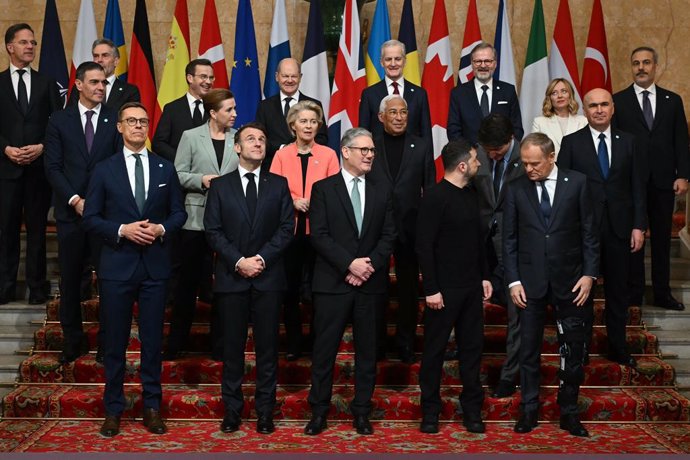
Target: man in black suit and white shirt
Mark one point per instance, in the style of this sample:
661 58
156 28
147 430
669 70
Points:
353 233
657 119
272 111
393 62
406 163
615 171
27 99
551 257
117 92
186 112
472 101
249 221
78 138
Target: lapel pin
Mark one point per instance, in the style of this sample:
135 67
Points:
119 89
411 146
498 87
160 165
412 90
105 120
515 165
617 136
668 97
565 179
316 162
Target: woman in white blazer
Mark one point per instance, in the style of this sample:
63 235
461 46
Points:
204 153
560 113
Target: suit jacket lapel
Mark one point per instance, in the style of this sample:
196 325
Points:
562 185
103 122
472 96
238 193
6 84
615 155
155 176
209 149
369 198
122 177
264 191
229 143
530 190
407 154
75 121
344 195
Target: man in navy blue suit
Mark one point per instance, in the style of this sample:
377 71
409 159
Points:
393 62
77 138
249 221
133 204
472 101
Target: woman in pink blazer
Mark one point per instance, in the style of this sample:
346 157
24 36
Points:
302 163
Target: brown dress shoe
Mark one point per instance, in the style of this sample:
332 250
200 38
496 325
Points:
154 422
111 426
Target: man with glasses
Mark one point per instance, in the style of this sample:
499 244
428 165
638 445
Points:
272 111
472 101
133 204
406 164
27 98
77 139
186 112
117 92
353 233
393 63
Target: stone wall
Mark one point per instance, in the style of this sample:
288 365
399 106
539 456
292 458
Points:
663 24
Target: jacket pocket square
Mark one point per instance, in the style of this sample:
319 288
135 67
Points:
161 185
501 102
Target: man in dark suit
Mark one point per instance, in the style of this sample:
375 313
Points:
393 63
615 171
77 138
450 247
133 203
249 221
551 257
499 157
406 164
472 101
353 233
186 112
657 119
117 92
272 111
27 99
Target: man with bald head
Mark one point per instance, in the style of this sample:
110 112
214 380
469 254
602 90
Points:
615 171
272 111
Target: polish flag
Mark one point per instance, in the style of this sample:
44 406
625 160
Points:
437 80
596 72
211 45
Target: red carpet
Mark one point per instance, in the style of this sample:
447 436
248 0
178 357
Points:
82 436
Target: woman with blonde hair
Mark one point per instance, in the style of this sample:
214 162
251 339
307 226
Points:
302 163
560 113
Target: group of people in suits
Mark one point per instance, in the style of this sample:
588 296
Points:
277 218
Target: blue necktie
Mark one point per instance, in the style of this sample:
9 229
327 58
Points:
603 153
545 202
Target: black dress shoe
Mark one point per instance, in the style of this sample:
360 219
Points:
265 425
70 354
170 355
406 355
669 303
474 424
154 422
625 360
451 355
316 425
111 426
37 298
292 355
231 423
571 424
362 425
504 389
429 424
527 422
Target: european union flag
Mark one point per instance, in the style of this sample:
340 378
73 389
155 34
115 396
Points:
245 82
53 62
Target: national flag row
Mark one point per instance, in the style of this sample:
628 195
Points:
353 71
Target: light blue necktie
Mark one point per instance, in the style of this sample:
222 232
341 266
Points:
356 204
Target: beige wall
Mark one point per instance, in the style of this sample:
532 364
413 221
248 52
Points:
663 24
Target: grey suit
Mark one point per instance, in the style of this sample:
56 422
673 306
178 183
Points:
196 157
491 213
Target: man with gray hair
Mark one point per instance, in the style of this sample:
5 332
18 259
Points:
352 232
406 164
117 92
473 101
393 63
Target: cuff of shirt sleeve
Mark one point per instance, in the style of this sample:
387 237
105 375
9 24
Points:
514 283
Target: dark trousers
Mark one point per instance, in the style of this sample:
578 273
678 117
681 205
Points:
407 274
463 311
299 266
615 266
237 309
332 312
26 199
571 328
76 252
660 204
116 300
194 252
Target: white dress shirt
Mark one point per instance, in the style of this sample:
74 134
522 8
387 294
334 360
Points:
595 138
245 180
109 86
489 92
652 96
15 80
192 105
400 82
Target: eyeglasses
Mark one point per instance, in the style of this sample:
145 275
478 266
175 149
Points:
479 62
205 77
395 113
365 151
131 121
